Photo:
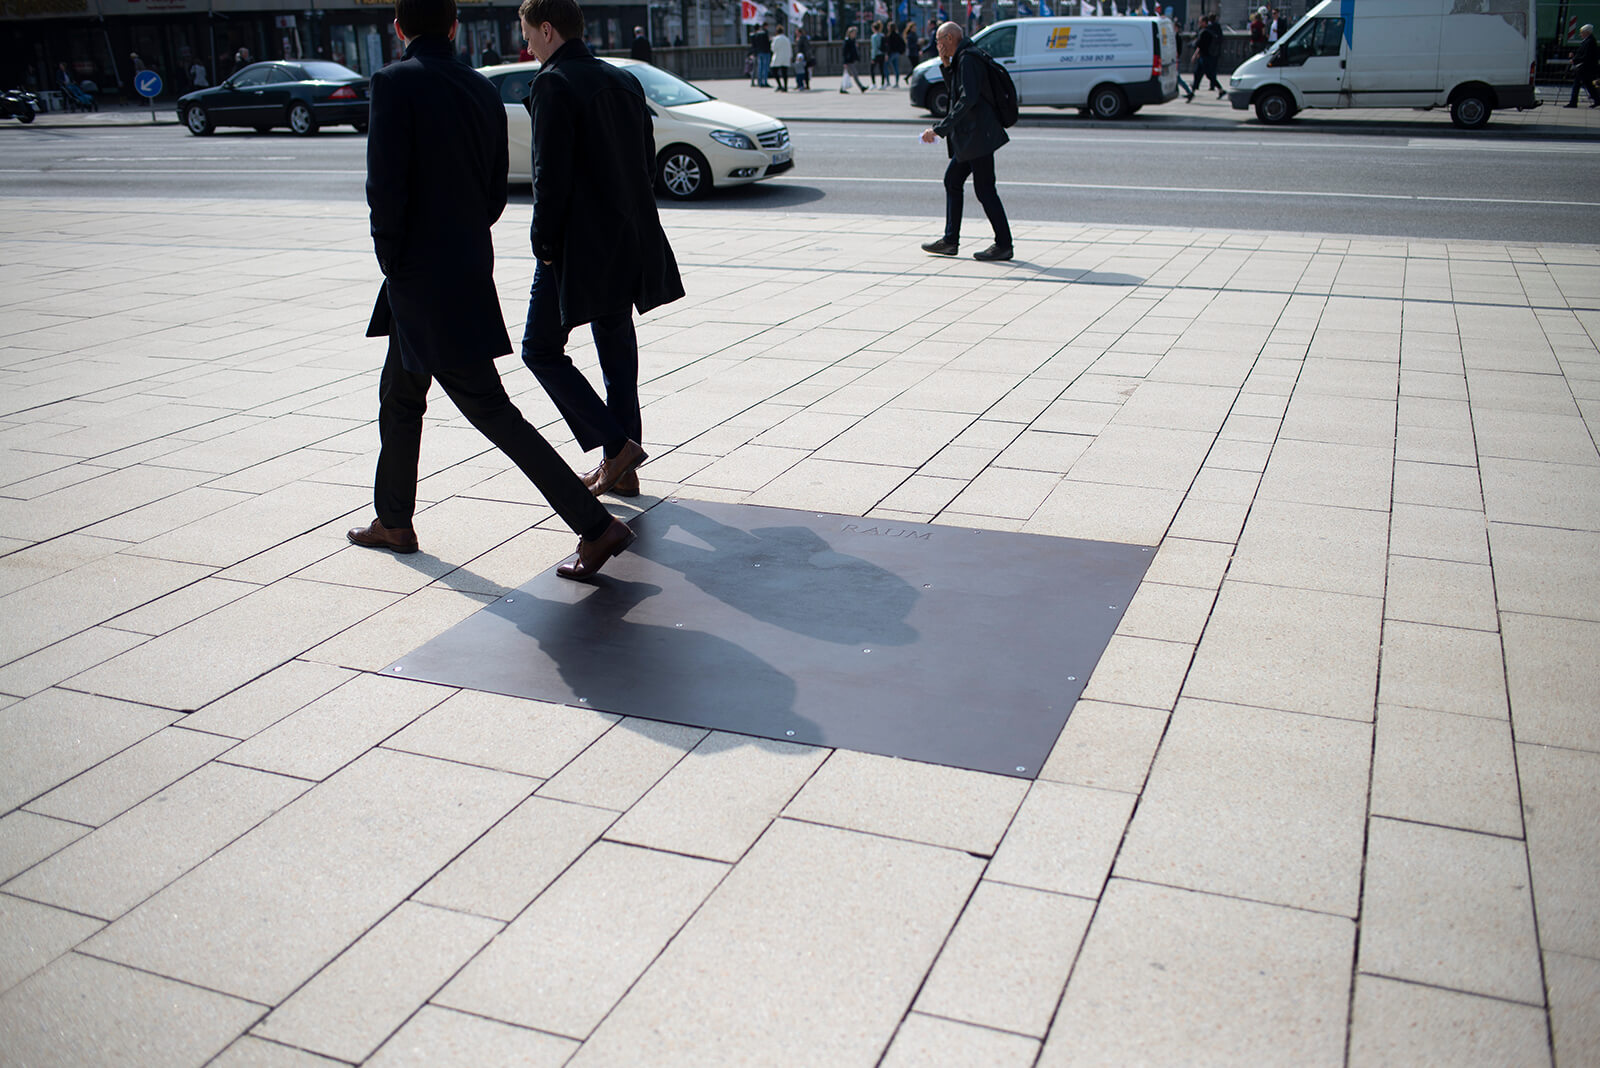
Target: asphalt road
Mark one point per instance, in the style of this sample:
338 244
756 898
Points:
1488 187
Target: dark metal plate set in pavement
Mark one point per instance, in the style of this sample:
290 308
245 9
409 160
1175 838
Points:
942 644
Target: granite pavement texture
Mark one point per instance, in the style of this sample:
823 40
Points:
1329 798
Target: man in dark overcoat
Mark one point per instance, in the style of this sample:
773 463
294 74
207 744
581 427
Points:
436 183
597 237
973 133
1585 67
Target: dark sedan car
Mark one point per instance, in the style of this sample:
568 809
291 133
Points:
302 95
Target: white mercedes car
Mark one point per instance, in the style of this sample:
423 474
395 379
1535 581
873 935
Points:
701 142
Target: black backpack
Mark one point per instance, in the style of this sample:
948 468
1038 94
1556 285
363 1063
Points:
1000 90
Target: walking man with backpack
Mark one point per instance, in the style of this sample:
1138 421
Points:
974 128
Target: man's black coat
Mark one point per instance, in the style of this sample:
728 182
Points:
971 127
594 205
640 49
433 120
1586 59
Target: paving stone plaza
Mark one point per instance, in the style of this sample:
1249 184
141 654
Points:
1329 797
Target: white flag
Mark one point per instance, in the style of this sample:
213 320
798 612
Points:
797 10
752 13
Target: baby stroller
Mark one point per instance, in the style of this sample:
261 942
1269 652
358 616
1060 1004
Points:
77 98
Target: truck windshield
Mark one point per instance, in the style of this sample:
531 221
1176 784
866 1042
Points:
1317 37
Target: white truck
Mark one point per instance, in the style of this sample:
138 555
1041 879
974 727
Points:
1471 56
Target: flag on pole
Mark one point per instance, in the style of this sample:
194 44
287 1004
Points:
797 10
880 10
752 13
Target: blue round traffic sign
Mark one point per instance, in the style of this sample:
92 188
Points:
147 83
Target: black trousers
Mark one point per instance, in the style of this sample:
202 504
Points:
1582 79
593 422
955 181
478 393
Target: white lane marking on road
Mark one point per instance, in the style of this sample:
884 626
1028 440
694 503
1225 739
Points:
802 179
180 159
166 172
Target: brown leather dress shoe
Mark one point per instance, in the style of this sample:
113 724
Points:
378 536
609 476
594 552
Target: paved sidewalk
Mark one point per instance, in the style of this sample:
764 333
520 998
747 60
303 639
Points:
1330 796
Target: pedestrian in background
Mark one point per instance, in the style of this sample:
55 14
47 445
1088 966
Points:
436 183
849 56
197 75
973 133
640 49
782 58
894 46
802 60
761 48
913 47
1207 50
1258 32
875 72
1585 67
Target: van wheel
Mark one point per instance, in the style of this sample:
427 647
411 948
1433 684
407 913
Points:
939 101
1274 106
1107 102
1471 109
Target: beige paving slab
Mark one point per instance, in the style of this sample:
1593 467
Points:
1139 671
512 734
1063 839
397 629
440 1038
251 1052
66 658
238 643
111 788
1006 962
262 522
86 1011
1561 439
336 728
1188 562
1438 485
147 847
1446 592
519 856
52 736
720 797
1255 803
286 898
1450 908
1309 546
1169 976
1342 419
1167 613
375 986
770 967
1574 990
1297 650
1339 475
1547 572
544 972
262 702
1561 806
33 935
928 803
1135 515
1541 493
26 839
1553 675
1106 746
1445 769
1404 1023
623 763
1443 668
925 1040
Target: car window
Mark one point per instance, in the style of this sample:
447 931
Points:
277 76
252 76
514 87
1317 37
663 89
324 70
999 41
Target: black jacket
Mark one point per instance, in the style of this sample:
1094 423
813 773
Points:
760 42
850 54
640 49
1586 58
1209 42
970 128
594 204
436 183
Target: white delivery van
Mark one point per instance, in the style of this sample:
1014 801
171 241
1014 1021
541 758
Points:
1471 56
1109 67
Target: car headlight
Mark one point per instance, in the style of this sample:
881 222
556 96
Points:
733 139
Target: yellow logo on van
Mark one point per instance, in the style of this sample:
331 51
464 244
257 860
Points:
1058 37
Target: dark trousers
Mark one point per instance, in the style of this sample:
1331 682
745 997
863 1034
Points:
955 180
1207 68
477 392
1583 79
593 422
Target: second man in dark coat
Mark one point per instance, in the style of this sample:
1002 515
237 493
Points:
597 238
973 133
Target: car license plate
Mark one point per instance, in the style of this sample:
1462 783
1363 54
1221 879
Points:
782 156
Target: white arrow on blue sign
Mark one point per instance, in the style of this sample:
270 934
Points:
148 83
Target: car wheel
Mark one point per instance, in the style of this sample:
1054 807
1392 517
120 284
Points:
301 121
1471 109
939 101
683 173
1107 102
1274 106
197 120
